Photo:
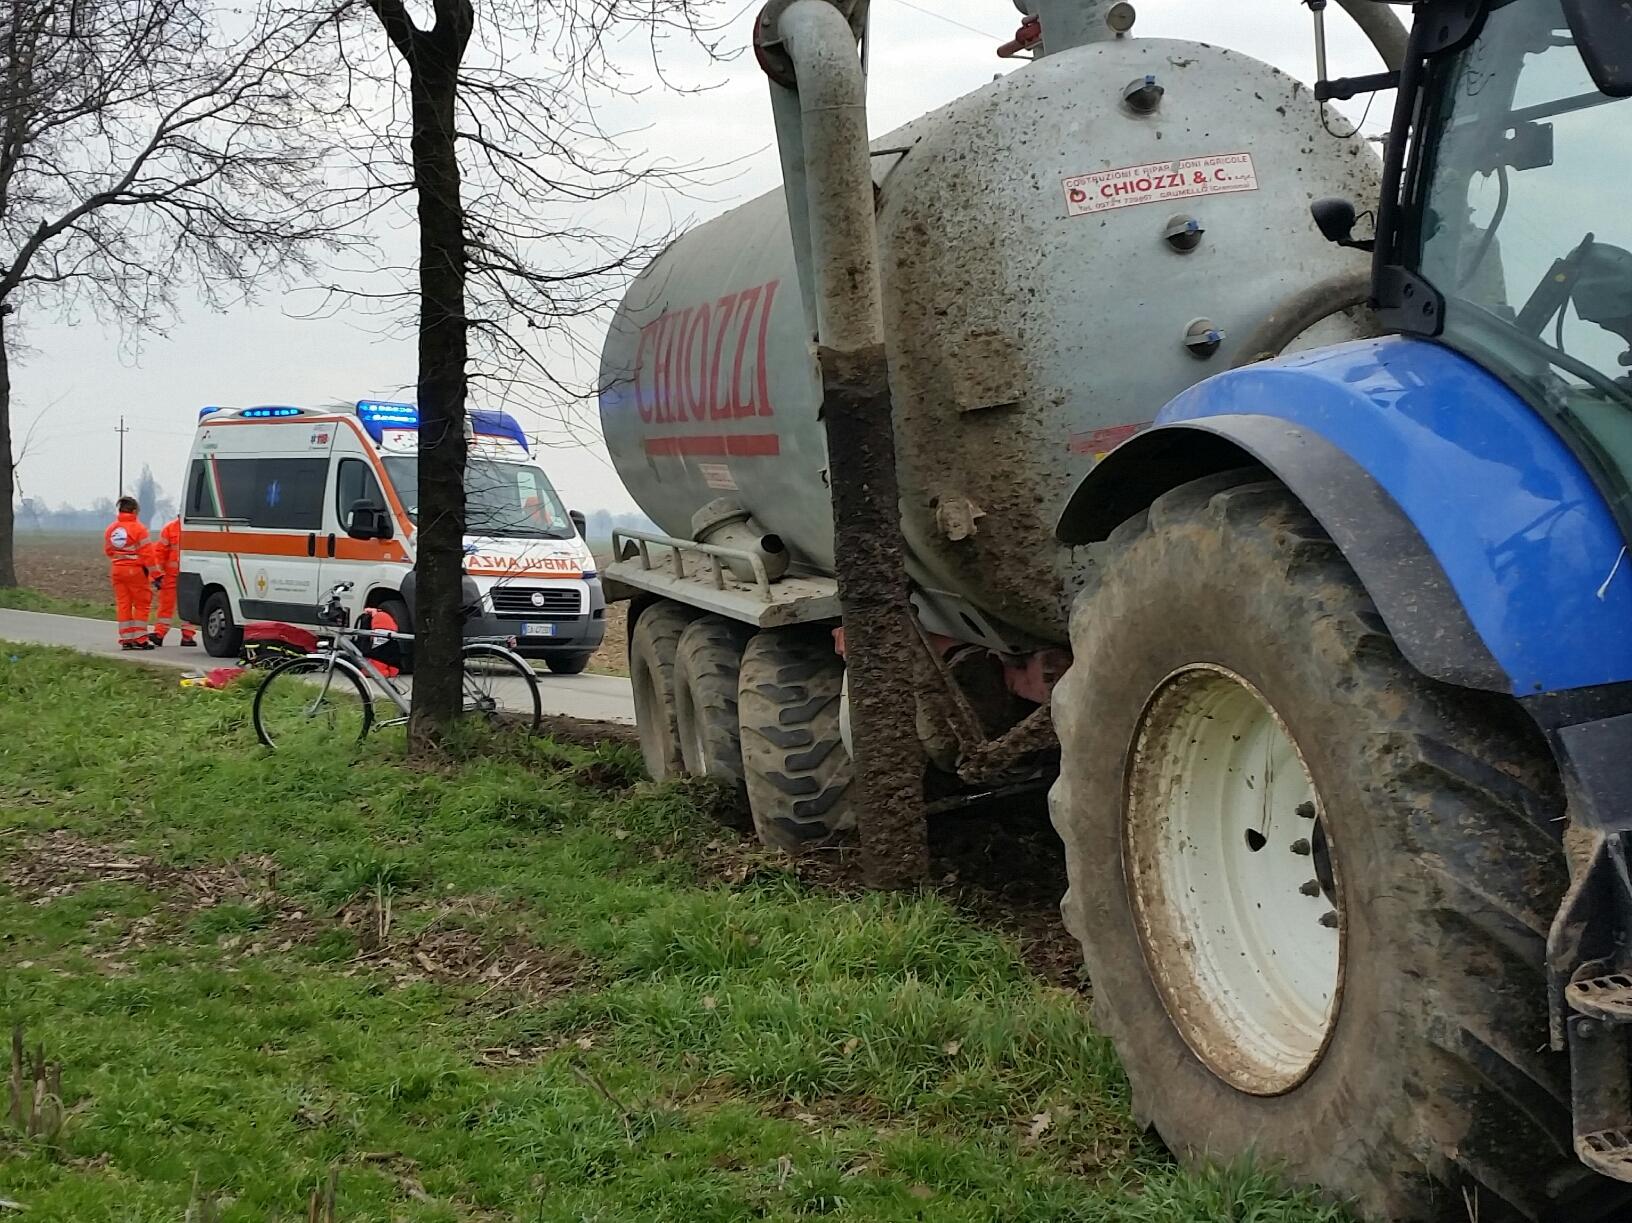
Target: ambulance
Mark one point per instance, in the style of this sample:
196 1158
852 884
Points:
282 503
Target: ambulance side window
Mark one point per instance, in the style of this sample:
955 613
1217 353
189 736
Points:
234 484
221 488
282 494
200 497
289 494
355 483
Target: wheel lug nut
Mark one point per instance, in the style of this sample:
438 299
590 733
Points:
1301 847
1306 811
1312 888
1329 920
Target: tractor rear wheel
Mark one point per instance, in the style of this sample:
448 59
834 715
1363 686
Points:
1312 887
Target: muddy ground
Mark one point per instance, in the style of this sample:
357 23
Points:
64 566
68 566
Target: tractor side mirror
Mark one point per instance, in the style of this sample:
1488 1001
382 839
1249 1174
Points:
1603 36
1335 218
579 523
368 520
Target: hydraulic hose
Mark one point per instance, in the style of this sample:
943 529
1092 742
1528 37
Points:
1299 313
1387 33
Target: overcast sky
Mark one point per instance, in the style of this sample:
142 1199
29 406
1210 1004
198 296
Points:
79 377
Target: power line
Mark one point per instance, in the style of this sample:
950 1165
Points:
917 8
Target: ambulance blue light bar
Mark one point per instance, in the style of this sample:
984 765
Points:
498 424
269 413
376 416
203 412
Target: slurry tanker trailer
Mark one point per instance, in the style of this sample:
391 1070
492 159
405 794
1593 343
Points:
1086 432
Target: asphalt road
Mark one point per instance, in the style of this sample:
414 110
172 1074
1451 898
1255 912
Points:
594 698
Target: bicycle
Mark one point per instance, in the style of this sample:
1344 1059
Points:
324 695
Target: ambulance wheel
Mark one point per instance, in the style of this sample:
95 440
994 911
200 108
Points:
398 611
653 648
222 638
1312 886
789 696
567 664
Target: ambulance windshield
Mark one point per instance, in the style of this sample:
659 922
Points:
502 500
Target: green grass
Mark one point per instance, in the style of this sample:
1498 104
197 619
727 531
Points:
19 599
570 1017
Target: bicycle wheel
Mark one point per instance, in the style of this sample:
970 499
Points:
304 704
500 685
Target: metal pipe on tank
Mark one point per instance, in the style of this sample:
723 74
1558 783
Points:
828 135
1386 31
1071 23
819 93
790 142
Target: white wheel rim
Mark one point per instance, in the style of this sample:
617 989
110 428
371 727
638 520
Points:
1222 848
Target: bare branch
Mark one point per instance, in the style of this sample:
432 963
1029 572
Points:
145 144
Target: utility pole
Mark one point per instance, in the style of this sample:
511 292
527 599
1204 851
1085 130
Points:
121 431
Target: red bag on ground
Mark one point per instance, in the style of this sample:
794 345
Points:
266 645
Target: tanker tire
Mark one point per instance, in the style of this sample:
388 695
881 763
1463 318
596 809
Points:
1436 1097
795 765
653 647
706 675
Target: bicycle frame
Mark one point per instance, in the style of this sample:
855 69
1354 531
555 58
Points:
342 648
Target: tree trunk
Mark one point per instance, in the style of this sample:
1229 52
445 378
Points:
8 472
439 571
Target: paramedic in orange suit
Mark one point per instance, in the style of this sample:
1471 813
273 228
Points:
130 552
167 561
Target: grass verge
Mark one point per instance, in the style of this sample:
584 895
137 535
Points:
19 598
520 986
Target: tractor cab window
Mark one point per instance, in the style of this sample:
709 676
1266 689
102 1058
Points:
1525 226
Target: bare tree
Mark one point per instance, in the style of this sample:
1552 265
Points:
498 158
148 143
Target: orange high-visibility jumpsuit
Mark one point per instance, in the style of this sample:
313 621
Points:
126 543
167 560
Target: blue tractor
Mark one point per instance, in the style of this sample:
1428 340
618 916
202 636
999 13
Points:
1346 782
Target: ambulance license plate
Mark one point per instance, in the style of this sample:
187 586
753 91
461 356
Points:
538 630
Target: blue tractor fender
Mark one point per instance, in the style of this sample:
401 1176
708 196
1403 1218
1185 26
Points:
1491 555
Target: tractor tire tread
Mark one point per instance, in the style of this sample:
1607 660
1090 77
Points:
1472 1113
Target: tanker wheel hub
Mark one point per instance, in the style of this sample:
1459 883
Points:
1234 889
